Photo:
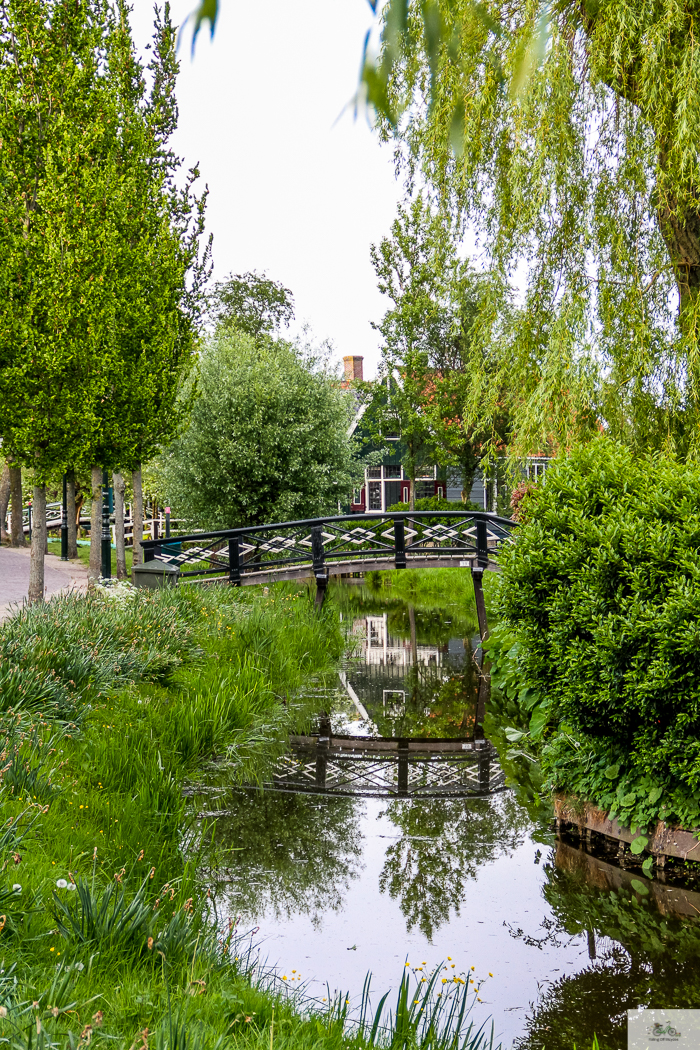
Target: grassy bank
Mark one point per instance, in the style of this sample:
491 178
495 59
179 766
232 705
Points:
109 709
443 585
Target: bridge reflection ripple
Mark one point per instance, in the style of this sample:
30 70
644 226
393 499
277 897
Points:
392 768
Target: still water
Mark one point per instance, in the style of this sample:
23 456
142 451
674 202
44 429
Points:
457 872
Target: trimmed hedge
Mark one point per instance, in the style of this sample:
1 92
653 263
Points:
599 601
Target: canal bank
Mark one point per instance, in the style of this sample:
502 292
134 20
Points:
365 870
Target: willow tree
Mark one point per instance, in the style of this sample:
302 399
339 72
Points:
565 135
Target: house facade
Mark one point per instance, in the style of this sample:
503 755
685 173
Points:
387 484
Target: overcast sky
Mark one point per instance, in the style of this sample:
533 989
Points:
296 189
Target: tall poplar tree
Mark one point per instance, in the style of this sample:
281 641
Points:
161 269
56 237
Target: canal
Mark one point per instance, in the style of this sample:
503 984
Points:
392 834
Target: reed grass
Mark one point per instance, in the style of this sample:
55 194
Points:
108 711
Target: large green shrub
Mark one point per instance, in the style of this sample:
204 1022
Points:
600 636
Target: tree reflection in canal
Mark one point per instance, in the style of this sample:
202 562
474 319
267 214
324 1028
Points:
443 844
644 948
294 854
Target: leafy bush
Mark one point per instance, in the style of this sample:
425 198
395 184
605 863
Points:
600 635
435 503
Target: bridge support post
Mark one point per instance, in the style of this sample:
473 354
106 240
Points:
402 779
234 563
478 580
482 561
319 565
399 544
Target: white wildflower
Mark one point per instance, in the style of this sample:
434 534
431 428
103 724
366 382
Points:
61 883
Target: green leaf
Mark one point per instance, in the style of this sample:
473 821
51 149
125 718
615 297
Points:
647 866
612 771
640 887
629 799
538 722
639 844
513 734
656 794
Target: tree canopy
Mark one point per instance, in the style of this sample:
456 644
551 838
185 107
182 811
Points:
252 303
267 439
566 137
427 337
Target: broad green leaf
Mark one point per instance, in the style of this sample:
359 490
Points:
629 799
513 735
538 722
656 794
648 866
639 887
612 771
639 844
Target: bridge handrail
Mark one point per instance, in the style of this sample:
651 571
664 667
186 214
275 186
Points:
477 515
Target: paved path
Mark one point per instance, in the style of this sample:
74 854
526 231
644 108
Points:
14 577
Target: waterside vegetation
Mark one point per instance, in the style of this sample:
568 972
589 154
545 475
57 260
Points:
597 647
115 711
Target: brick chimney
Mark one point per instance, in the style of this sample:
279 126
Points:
353 368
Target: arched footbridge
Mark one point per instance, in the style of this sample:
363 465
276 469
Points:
325 547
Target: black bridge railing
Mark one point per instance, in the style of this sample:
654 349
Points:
336 544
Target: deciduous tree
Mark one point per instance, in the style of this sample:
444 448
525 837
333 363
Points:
267 440
566 136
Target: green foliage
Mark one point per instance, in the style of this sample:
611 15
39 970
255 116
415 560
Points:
57 656
427 336
109 919
252 303
562 135
267 439
101 269
599 599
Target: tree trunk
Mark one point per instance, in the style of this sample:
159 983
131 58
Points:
119 489
38 550
72 517
412 494
17 533
137 515
4 502
95 567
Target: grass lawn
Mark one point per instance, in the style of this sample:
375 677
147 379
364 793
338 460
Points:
84 556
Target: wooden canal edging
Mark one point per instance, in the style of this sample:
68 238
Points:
670 900
664 841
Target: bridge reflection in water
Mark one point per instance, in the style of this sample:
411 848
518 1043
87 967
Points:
408 720
394 768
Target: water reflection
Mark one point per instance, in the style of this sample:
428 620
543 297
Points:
440 847
643 942
413 672
344 885
291 854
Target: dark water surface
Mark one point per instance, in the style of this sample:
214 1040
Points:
456 872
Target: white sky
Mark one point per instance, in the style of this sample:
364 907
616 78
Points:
293 190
